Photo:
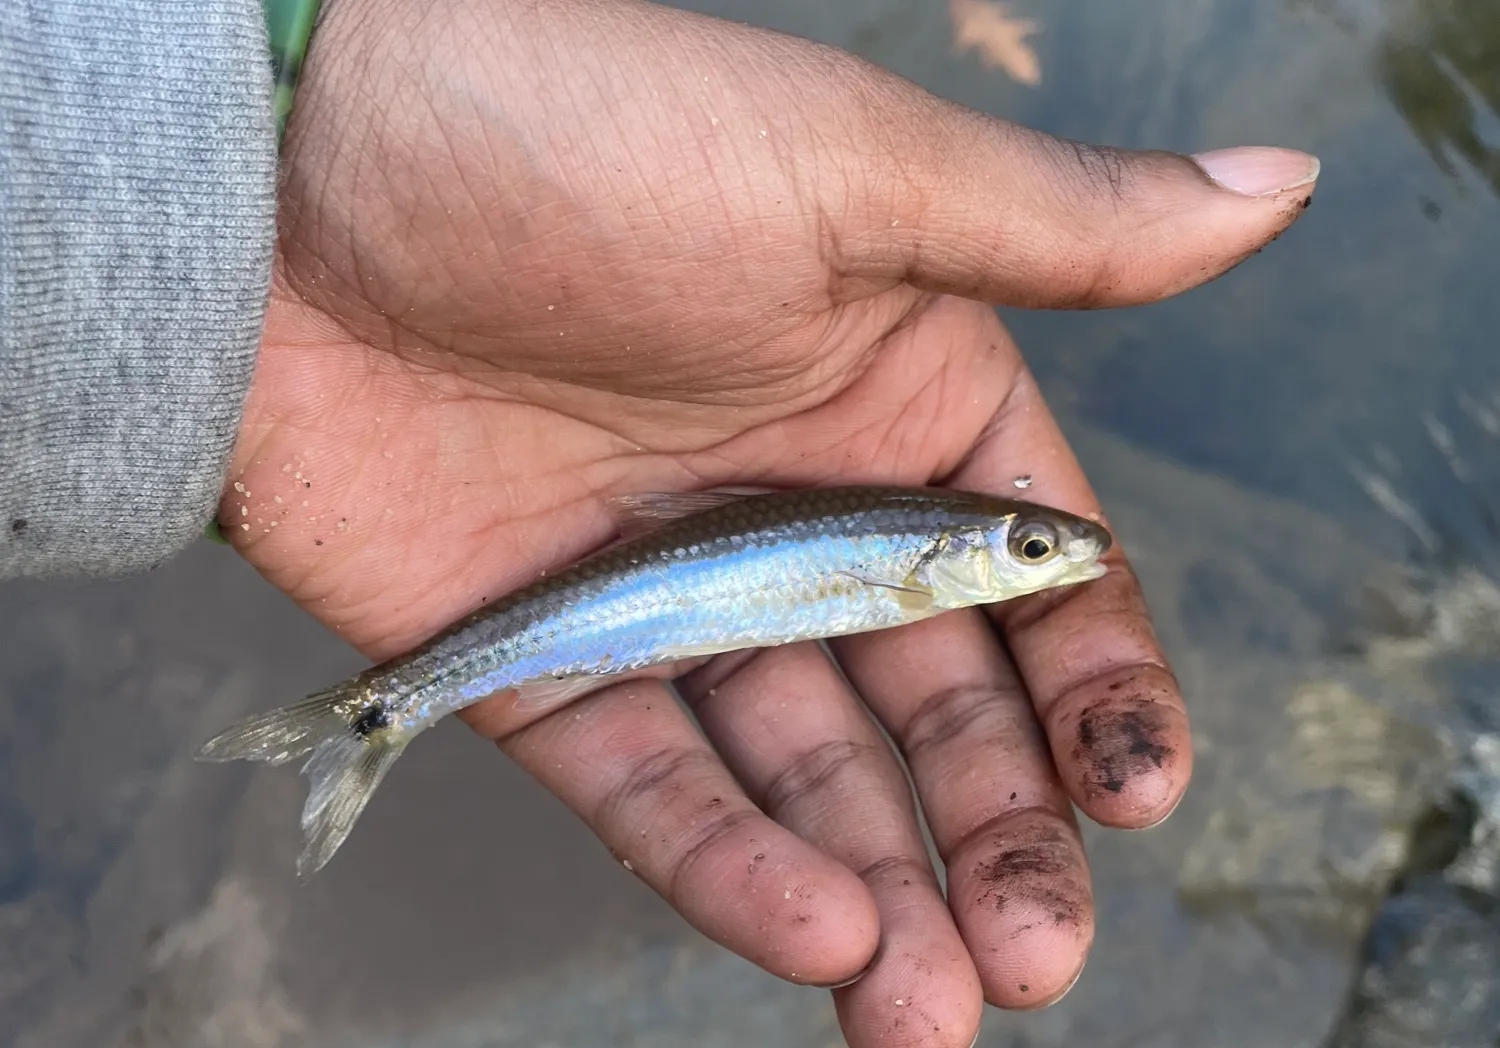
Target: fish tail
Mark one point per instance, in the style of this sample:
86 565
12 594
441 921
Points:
349 743
342 774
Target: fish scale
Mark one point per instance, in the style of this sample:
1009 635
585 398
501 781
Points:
710 572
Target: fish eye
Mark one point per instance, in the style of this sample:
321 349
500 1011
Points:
1033 543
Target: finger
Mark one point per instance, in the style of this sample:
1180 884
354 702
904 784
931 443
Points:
1101 684
1018 882
790 729
630 763
963 203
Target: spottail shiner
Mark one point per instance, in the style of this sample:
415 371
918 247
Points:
695 574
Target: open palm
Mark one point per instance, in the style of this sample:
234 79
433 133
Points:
538 255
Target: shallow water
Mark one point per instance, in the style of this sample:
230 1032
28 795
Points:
1342 665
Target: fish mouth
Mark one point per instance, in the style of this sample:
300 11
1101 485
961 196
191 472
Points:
1092 536
1087 545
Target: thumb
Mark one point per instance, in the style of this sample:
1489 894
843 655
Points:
984 209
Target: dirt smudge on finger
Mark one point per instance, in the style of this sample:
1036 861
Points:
1121 737
1037 868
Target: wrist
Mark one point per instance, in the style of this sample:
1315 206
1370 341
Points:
289 28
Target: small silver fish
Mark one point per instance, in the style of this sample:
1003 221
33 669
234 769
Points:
695 574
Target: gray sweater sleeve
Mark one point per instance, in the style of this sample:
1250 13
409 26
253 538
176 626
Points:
137 217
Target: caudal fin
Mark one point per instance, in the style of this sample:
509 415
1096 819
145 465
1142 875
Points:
349 749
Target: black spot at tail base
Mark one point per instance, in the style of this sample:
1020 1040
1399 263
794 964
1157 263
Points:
372 718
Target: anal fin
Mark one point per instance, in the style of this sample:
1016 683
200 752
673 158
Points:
545 696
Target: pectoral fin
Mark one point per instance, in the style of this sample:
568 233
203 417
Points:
962 582
914 598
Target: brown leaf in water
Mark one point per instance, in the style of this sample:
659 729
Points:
999 37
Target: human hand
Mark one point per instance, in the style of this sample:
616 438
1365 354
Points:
534 255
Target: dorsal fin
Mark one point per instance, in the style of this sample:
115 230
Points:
635 515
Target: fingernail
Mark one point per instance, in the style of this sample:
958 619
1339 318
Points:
1168 814
856 977
1068 988
1257 171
